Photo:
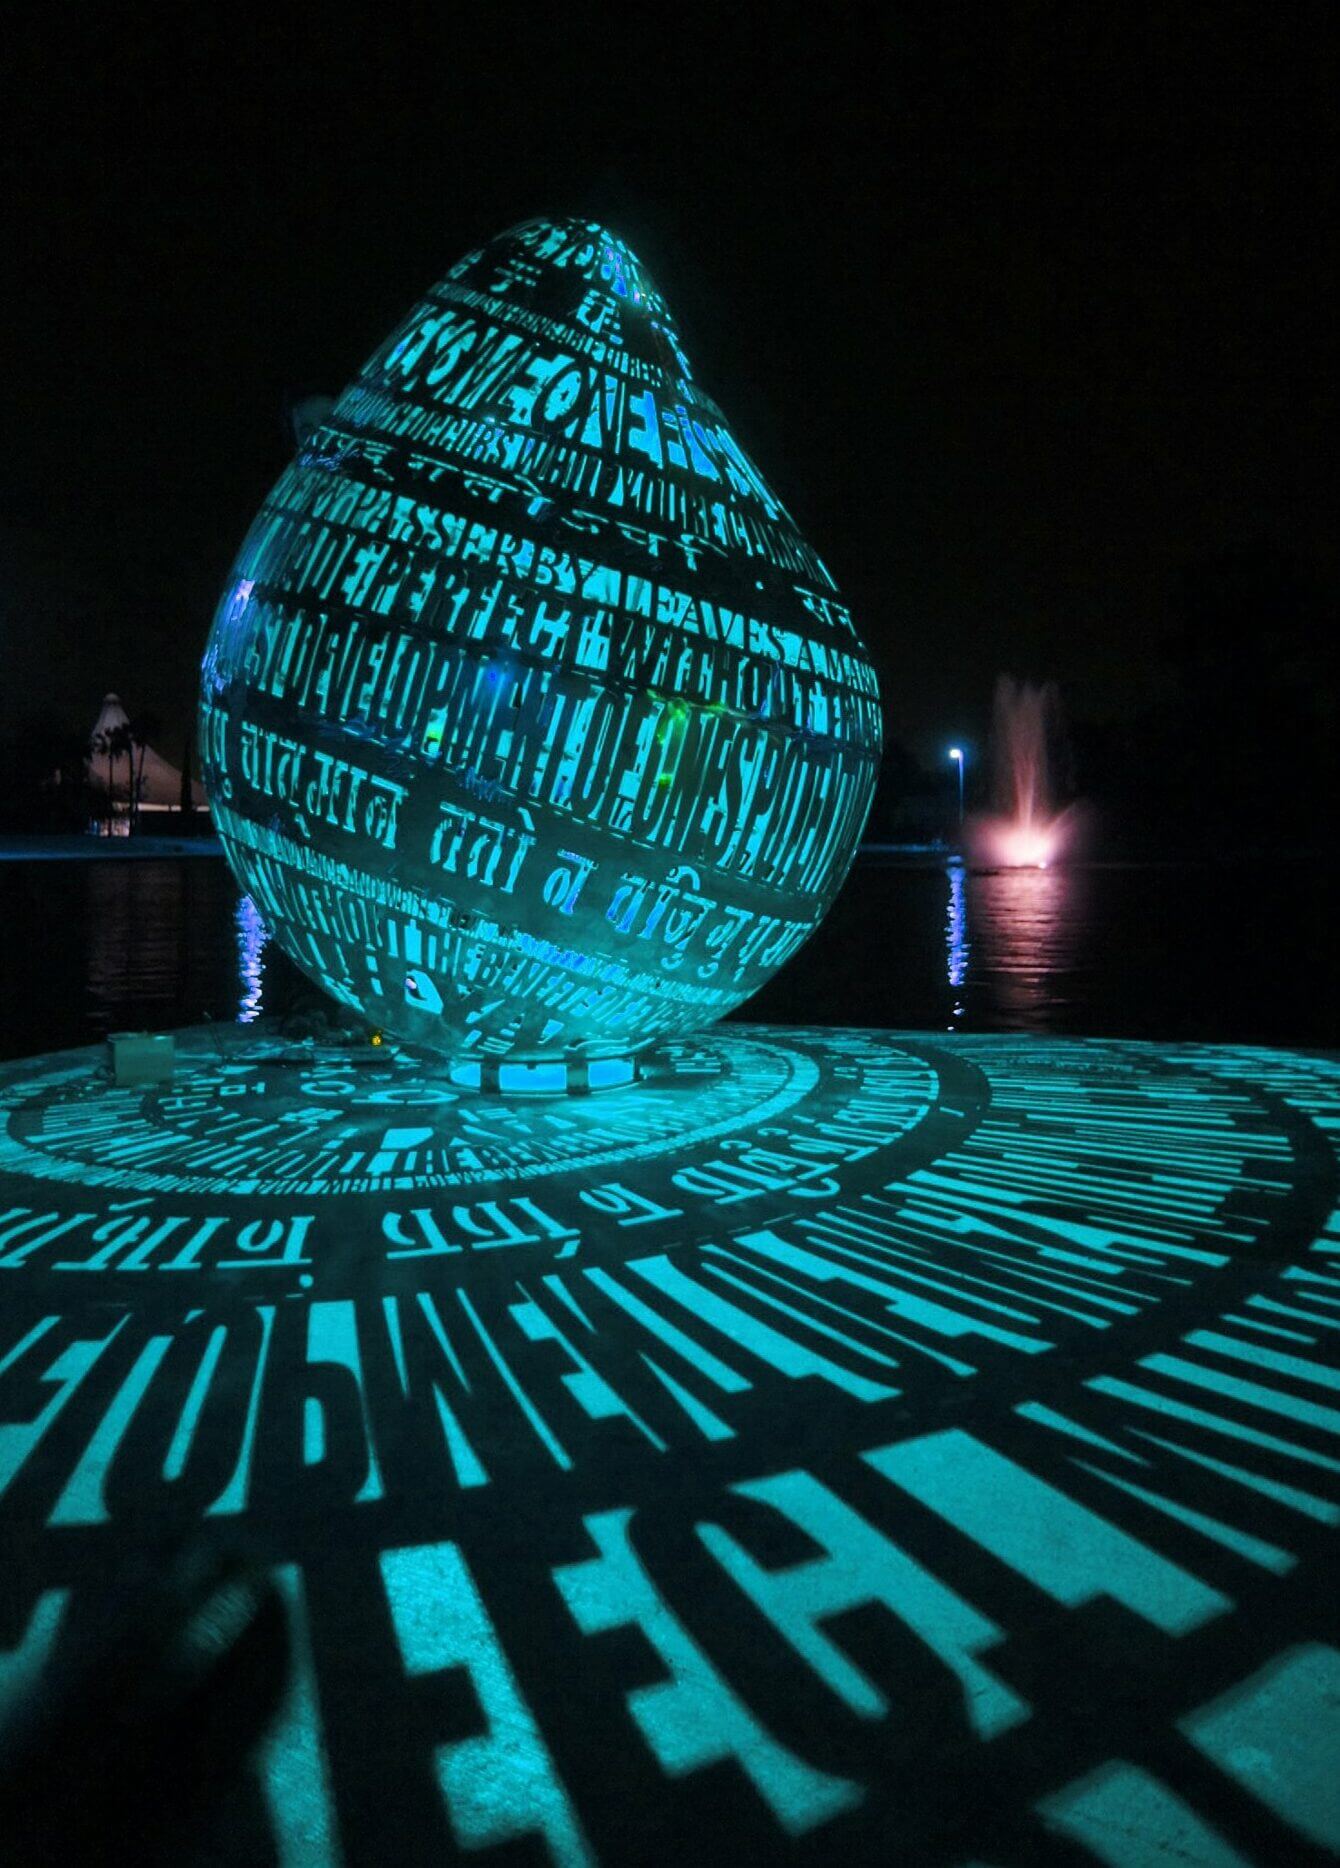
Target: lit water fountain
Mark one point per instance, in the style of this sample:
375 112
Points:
1024 831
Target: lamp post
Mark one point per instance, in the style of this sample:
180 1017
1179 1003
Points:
956 754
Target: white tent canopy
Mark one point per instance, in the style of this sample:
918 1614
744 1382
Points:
158 783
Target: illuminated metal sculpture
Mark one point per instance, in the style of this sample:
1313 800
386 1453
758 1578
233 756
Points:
531 724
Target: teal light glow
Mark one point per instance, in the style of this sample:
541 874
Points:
540 1077
531 724
251 938
609 1073
829 1436
500 1784
537 1077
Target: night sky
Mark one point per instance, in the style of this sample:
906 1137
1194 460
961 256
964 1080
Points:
1023 312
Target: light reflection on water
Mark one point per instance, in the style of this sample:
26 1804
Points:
167 942
142 945
251 939
958 947
1027 924
156 943
1215 951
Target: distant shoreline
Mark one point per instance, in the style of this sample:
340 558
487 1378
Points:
16 848
81 849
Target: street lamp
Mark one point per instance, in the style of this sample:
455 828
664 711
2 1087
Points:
956 754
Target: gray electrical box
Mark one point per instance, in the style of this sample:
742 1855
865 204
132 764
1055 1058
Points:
141 1057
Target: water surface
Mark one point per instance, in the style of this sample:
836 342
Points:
1212 951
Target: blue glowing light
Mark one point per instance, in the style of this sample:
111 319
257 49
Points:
608 1073
957 945
251 939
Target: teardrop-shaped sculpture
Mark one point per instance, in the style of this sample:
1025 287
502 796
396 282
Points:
530 722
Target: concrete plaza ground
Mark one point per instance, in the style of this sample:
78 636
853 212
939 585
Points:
843 1446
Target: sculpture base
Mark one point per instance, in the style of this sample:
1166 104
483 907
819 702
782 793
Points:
543 1077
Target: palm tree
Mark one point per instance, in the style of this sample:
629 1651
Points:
143 728
118 747
99 749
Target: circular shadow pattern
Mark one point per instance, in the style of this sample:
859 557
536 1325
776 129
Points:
838 1428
